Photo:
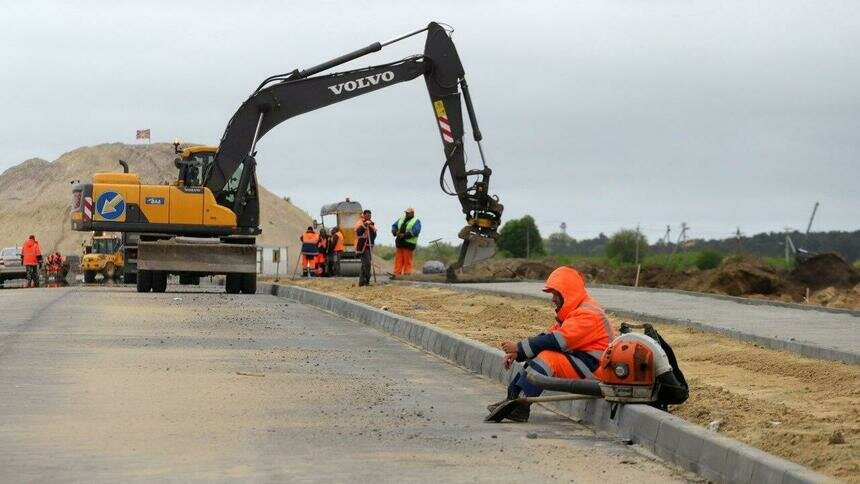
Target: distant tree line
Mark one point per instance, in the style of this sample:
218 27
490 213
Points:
772 244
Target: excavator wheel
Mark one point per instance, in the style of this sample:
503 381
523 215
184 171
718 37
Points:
249 283
233 285
159 281
89 276
144 281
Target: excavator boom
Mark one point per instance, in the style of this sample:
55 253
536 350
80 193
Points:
278 98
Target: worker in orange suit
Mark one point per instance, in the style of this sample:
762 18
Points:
365 233
31 258
310 240
405 231
322 249
336 246
571 348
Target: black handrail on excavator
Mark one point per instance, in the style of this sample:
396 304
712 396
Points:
233 179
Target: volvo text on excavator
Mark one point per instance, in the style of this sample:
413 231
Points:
206 221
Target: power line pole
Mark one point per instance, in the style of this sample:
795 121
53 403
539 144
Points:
667 236
637 244
682 237
738 236
789 245
527 242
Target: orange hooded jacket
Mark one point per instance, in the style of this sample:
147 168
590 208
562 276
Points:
582 326
31 252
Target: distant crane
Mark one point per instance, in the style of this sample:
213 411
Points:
799 253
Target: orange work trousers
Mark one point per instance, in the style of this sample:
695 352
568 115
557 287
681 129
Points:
403 261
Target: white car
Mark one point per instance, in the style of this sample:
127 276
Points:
10 264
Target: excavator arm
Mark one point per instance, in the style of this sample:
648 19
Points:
232 176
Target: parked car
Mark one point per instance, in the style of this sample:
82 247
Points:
10 264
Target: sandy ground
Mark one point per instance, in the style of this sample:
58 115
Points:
794 407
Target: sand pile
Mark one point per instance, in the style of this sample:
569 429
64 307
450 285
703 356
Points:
740 276
825 270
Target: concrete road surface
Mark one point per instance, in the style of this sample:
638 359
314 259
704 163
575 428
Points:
105 384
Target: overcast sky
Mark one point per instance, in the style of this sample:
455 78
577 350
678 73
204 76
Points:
599 114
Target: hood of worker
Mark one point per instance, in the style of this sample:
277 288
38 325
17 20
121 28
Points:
570 284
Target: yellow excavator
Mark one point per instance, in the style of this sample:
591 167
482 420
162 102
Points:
206 221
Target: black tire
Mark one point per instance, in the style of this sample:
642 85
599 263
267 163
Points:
249 283
195 280
233 284
144 281
159 281
89 276
129 278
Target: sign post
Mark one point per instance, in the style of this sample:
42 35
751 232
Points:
276 258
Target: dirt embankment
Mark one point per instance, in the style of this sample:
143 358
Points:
829 279
794 407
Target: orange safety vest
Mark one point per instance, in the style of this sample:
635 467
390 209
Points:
309 243
339 246
361 241
31 252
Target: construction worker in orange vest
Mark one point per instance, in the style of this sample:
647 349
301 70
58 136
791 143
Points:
322 249
571 348
336 247
31 258
310 249
405 231
365 231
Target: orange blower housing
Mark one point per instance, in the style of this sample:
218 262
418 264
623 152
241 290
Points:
630 367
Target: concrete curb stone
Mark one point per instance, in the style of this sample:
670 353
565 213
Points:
804 349
710 455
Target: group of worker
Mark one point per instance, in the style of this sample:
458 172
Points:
33 261
321 252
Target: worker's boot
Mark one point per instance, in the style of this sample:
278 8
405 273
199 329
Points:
521 413
513 393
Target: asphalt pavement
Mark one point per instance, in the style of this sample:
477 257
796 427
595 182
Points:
105 384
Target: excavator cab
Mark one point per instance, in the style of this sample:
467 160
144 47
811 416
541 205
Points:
193 163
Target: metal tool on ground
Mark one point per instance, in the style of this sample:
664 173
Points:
216 196
635 368
370 253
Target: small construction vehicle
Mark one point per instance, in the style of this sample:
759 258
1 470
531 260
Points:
346 215
102 254
206 221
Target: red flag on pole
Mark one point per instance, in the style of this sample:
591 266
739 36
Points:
142 134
